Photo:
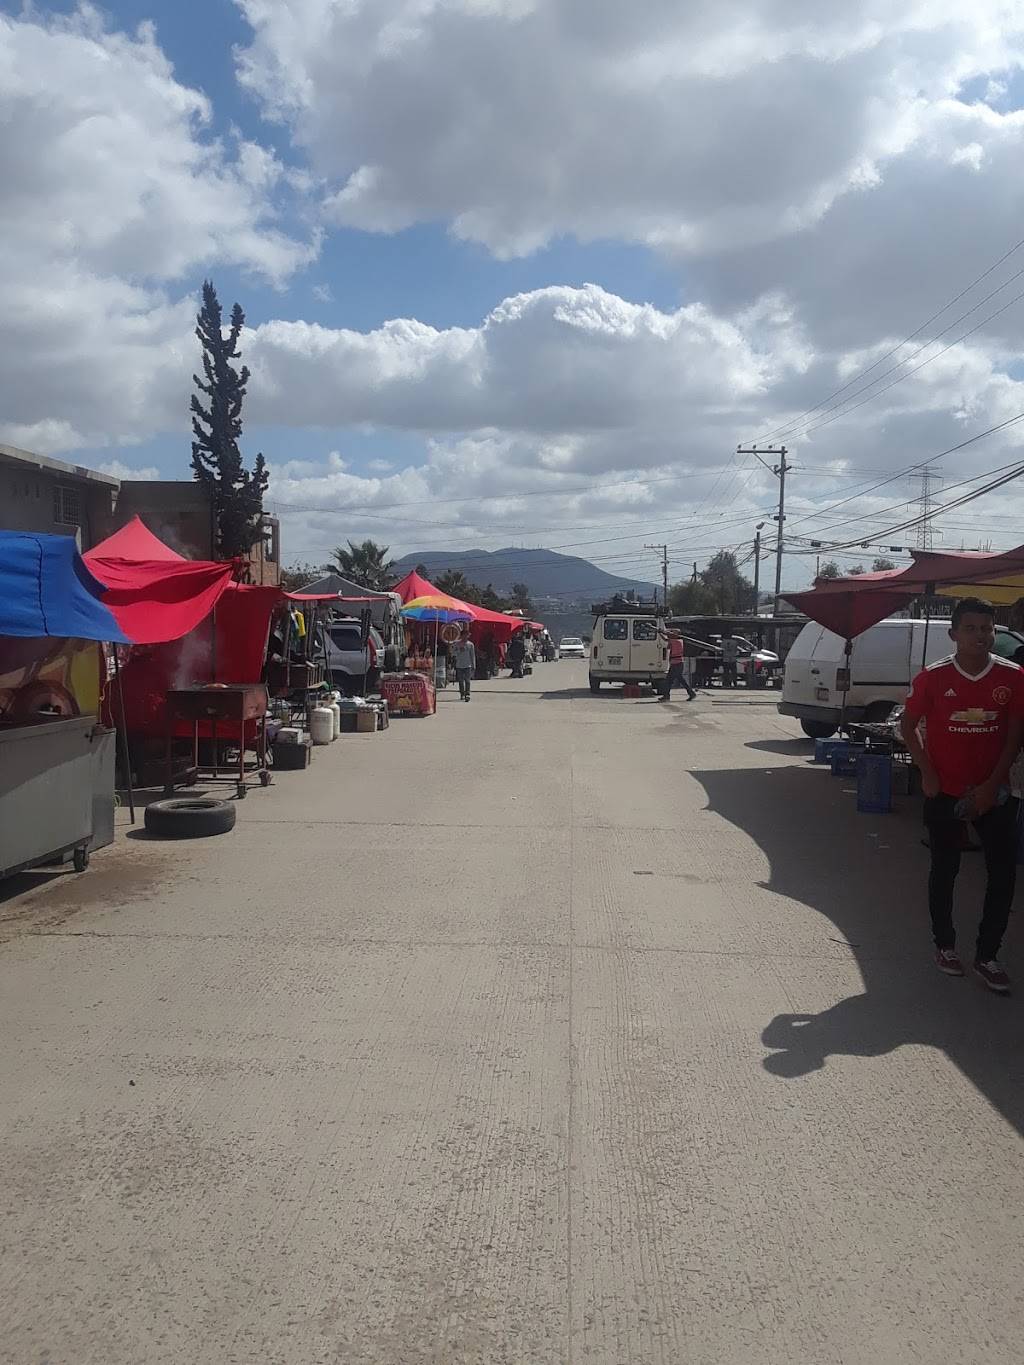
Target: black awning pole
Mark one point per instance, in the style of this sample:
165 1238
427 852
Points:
929 589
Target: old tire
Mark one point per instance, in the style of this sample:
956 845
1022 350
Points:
818 729
878 711
189 817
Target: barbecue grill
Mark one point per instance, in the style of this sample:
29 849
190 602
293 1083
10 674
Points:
238 707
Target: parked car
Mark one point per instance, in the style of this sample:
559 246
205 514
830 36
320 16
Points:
572 647
354 666
884 661
757 667
629 644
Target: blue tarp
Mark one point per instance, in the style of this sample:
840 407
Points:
45 589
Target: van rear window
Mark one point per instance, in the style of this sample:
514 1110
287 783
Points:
645 630
615 629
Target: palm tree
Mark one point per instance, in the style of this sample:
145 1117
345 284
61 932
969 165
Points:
455 583
366 564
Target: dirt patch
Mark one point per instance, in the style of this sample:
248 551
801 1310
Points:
46 899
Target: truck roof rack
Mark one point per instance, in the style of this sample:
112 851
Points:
627 606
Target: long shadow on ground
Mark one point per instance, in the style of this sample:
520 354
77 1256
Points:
872 889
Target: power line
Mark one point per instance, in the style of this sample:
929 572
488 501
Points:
900 473
779 431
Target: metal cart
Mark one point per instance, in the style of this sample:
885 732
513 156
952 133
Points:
239 705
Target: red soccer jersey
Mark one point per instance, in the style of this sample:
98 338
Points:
966 718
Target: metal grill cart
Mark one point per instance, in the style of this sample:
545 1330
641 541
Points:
236 705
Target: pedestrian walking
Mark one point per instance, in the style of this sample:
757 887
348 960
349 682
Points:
972 704
465 664
730 654
677 676
515 655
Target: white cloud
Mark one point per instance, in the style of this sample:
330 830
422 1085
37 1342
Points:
112 192
698 126
117 469
553 361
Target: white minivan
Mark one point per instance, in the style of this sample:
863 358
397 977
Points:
885 659
628 647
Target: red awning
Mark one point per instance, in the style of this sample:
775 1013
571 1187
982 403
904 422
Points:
849 606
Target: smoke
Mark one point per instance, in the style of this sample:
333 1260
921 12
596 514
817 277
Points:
193 663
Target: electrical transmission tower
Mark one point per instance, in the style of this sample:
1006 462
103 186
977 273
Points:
928 482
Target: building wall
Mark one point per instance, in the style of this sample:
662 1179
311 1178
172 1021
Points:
181 514
54 499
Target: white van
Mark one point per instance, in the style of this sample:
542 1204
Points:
885 659
628 647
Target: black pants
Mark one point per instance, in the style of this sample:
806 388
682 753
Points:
464 676
997 830
677 678
728 675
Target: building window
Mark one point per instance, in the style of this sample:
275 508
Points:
67 506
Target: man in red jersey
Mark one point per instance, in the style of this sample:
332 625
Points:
973 708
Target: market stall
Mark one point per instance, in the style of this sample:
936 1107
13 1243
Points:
56 757
850 606
199 636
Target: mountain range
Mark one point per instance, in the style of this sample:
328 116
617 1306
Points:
547 574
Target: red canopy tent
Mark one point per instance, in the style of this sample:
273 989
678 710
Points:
485 621
155 594
848 606
194 623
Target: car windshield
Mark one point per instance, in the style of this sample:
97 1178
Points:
346 637
571 640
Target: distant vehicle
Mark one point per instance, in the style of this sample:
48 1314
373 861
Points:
885 659
629 644
572 647
757 667
354 666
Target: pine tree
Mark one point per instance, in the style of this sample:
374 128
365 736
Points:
237 493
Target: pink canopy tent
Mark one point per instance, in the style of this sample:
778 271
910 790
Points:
848 606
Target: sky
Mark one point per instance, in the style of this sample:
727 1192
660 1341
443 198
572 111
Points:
527 272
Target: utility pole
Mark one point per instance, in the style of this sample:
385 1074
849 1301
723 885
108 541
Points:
757 567
664 569
780 471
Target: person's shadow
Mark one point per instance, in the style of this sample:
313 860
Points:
873 891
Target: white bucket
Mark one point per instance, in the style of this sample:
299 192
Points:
321 724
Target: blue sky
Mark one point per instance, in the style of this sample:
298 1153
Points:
541 265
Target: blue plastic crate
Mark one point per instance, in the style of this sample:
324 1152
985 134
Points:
825 748
844 761
874 784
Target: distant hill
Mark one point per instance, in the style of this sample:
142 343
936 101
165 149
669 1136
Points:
563 578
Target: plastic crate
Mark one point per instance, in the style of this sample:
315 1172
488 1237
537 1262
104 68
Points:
844 761
825 748
874 784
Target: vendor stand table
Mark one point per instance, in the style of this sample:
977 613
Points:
240 705
408 694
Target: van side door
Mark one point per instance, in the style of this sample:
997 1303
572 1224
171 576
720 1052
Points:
648 651
612 652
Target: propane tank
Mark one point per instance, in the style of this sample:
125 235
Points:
334 702
321 724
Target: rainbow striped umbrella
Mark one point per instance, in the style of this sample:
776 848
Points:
438 608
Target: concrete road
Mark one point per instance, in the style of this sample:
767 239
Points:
555 1028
